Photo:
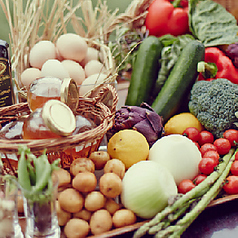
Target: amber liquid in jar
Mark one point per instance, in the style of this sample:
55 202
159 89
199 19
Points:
82 124
43 90
35 128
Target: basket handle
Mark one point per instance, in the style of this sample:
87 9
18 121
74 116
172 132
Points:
107 94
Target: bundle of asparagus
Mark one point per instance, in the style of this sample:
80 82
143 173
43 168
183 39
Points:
178 215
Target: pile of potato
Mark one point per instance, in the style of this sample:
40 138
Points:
70 56
89 196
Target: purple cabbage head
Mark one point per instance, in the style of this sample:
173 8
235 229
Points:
141 118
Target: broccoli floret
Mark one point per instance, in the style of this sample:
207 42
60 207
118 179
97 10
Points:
214 103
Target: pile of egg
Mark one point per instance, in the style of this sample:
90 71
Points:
70 56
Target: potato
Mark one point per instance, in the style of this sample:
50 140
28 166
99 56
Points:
110 185
100 222
83 214
71 200
85 182
82 165
123 217
99 158
64 177
63 216
76 228
115 166
94 201
111 205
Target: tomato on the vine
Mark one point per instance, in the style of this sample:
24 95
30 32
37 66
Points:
185 186
234 168
231 185
205 137
207 165
207 147
232 136
199 178
192 133
223 145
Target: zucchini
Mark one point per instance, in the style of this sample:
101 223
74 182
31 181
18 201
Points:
145 71
180 80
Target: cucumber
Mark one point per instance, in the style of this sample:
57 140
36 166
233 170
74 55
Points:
180 80
144 71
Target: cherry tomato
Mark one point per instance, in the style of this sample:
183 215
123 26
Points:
184 3
207 165
197 145
236 156
234 168
205 137
232 136
231 185
223 145
212 154
199 178
192 133
207 147
185 186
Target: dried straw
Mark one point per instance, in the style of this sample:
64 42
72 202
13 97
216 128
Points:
40 20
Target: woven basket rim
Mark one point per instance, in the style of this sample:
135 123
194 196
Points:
11 146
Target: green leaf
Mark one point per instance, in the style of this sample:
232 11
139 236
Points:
211 23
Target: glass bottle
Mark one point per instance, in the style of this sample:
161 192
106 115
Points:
7 96
54 120
46 88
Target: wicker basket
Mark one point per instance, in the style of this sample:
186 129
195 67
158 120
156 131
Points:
100 108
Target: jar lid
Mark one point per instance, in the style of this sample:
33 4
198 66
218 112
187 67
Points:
69 93
58 117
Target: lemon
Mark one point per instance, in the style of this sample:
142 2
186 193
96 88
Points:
178 123
129 146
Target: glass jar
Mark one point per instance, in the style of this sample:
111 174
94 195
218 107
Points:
54 120
46 88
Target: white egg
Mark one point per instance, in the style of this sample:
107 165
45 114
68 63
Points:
89 83
94 67
29 75
72 46
41 52
76 71
54 68
92 54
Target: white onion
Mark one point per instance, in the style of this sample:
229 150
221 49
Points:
178 154
146 188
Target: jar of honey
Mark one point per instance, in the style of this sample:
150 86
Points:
54 120
82 124
46 88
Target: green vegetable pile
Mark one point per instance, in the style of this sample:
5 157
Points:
176 217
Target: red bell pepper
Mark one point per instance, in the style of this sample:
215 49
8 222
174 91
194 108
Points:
164 17
217 65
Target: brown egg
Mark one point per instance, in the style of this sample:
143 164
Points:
41 52
75 70
72 46
29 75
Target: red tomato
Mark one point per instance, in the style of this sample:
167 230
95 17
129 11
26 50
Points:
197 145
236 156
192 133
212 154
162 18
232 136
231 185
199 178
205 137
234 168
185 186
223 145
207 165
207 147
